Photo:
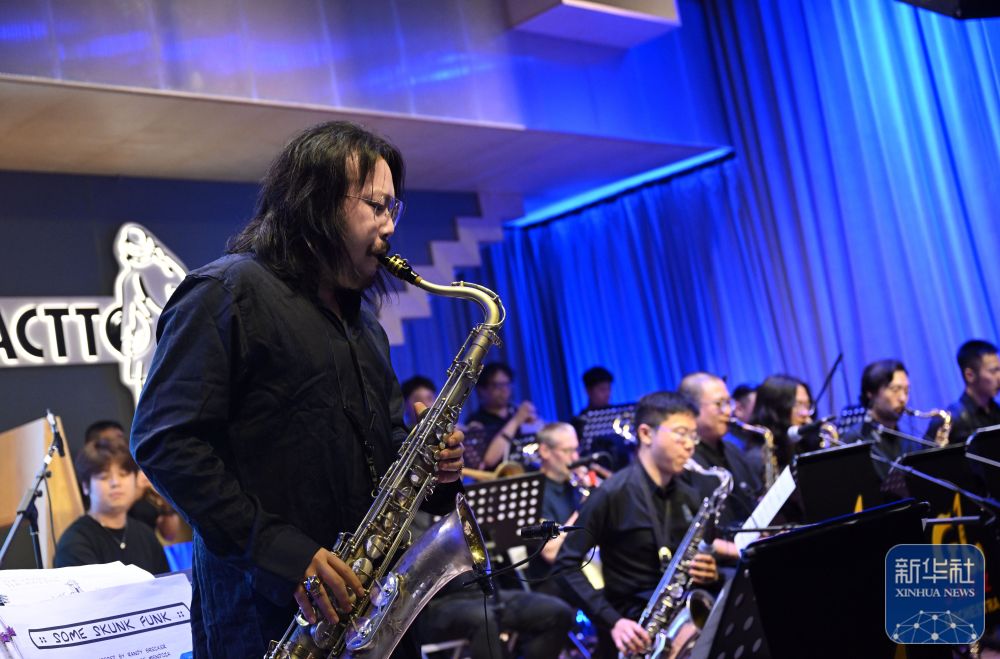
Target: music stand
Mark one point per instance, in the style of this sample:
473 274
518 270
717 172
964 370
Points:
475 444
831 481
983 448
770 610
503 506
597 432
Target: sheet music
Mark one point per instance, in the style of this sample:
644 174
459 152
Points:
30 586
147 620
768 507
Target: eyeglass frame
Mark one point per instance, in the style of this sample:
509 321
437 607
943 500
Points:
394 206
691 436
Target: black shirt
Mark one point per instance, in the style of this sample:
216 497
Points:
966 418
258 419
559 502
886 444
747 483
86 542
629 518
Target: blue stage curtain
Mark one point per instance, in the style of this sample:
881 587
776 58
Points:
859 215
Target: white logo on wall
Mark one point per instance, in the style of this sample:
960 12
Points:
98 330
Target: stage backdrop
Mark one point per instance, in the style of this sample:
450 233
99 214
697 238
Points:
858 215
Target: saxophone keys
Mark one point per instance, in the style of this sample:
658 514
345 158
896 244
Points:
376 547
364 569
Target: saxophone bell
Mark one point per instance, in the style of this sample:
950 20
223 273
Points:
941 438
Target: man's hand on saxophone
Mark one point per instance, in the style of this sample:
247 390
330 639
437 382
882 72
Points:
326 575
449 460
703 569
629 636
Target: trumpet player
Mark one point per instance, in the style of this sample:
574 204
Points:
558 448
977 407
885 392
637 517
500 420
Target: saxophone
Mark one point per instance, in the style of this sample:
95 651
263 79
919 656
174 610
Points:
674 603
771 471
943 433
396 590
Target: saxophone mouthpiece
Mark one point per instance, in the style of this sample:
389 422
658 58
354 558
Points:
398 266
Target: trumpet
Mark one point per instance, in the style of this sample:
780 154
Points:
941 437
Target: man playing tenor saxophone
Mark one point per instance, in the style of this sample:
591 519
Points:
637 518
271 410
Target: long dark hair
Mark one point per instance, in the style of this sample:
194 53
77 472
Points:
299 224
773 410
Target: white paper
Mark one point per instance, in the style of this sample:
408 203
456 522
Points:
30 586
148 620
768 507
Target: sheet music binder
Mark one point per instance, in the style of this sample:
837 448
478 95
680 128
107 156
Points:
771 611
832 480
503 506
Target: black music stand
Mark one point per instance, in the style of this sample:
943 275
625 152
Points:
983 448
831 481
598 432
796 594
503 506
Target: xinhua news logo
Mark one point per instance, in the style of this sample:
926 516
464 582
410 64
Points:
934 594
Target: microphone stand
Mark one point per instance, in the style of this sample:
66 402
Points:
988 506
26 509
879 428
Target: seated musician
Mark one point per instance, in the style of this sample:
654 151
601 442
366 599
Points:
108 476
417 389
557 448
885 391
498 418
977 407
782 401
637 518
709 394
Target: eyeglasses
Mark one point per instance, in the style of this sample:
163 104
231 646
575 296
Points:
682 435
390 205
721 405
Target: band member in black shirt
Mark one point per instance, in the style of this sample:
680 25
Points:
497 418
637 518
271 410
977 407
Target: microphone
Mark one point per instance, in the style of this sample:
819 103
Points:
797 433
587 459
544 531
56 437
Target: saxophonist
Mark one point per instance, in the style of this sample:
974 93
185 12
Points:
271 410
885 391
637 518
977 407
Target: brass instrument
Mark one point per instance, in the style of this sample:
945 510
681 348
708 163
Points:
771 471
828 435
941 437
392 599
674 603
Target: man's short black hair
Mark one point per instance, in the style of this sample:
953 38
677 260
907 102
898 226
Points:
97 427
743 390
492 369
416 382
877 375
652 409
596 375
971 354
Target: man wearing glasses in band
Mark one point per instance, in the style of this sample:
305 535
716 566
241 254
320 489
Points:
709 394
271 410
637 518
